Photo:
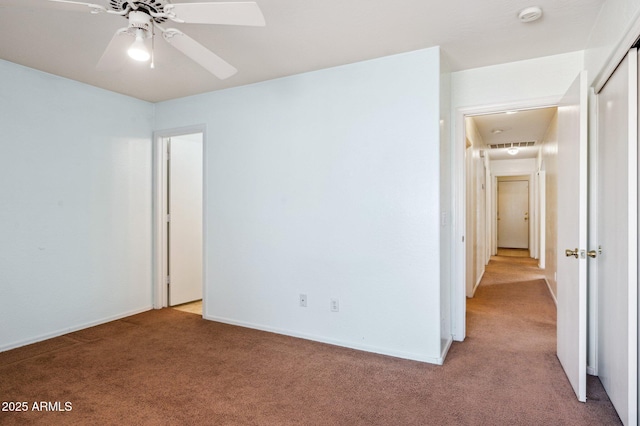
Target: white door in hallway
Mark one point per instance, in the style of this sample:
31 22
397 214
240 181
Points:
513 214
618 237
572 236
185 218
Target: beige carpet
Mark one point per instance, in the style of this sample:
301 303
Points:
513 310
167 367
511 269
513 252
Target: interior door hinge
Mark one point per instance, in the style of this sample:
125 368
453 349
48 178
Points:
168 280
168 218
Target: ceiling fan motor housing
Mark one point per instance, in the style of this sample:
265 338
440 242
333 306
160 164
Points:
154 6
140 21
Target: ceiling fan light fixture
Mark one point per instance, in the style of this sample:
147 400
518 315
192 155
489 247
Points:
138 51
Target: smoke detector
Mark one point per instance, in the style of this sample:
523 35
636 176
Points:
530 14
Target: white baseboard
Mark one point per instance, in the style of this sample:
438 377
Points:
477 284
71 329
445 350
553 296
366 348
591 371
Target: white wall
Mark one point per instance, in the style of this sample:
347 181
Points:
550 166
476 197
76 205
540 78
515 167
328 184
445 207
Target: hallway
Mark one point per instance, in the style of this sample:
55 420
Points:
512 325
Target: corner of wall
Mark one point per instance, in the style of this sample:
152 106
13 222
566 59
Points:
446 207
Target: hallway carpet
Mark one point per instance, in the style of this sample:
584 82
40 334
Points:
167 367
511 252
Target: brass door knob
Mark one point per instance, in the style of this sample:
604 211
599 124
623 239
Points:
569 253
592 253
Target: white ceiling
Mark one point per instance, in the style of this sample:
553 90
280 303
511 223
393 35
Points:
513 127
300 36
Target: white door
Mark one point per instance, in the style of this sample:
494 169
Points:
618 238
572 236
185 218
513 214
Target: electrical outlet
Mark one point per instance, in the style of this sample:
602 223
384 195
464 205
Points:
335 305
303 300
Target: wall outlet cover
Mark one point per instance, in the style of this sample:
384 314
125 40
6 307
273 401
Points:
335 305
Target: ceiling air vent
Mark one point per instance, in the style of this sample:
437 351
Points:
512 144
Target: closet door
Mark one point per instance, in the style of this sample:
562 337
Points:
617 216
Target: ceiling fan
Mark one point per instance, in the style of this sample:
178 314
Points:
145 16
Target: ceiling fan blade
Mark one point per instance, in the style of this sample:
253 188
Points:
114 56
224 13
77 6
200 54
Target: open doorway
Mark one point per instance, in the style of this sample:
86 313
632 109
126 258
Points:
506 200
529 186
179 179
548 175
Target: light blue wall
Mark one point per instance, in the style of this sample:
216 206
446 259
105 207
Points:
75 219
328 184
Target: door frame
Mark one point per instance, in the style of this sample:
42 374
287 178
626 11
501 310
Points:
160 237
459 190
